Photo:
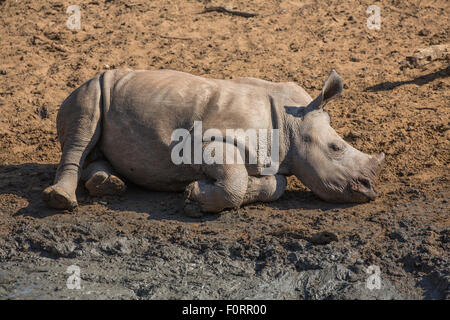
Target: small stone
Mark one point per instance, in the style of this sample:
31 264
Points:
424 32
63 249
398 235
43 112
3 72
412 190
355 134
123 246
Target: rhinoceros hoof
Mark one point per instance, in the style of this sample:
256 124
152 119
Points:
192 209
56 197
102 184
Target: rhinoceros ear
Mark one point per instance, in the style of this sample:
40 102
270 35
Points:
331 89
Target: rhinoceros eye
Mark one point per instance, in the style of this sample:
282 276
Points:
334 147
306 138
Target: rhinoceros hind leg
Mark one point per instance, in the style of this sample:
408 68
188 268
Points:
57 198
78 125
101 181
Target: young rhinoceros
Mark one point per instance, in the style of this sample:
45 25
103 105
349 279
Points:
121 123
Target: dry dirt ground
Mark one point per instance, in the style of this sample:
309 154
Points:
140 245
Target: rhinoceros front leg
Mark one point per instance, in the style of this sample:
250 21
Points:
226 190
205 196
265 188
230 186
100 179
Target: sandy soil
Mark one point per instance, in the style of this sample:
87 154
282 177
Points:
140 245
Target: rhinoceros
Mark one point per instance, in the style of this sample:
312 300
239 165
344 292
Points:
119 126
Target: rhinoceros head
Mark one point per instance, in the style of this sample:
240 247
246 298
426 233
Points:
323 161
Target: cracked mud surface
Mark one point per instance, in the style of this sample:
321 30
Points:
140 245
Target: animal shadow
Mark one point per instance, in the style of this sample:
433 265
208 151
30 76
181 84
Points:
420 81
305 200
28 180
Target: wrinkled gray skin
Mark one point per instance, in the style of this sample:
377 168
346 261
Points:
120 123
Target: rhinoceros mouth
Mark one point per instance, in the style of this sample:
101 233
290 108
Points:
366 187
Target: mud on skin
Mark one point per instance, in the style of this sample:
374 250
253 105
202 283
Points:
140 245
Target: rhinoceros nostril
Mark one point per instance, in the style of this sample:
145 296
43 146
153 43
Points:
365 183
365 187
